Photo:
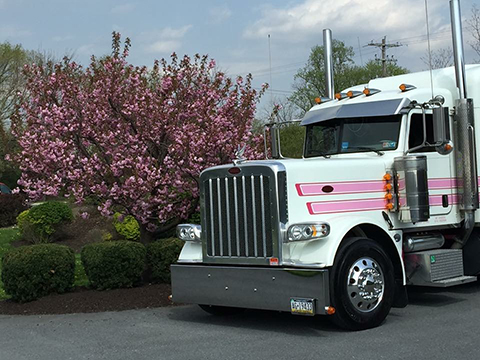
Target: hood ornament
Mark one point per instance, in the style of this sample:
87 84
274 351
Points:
239 155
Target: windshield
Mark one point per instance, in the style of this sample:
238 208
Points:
352 135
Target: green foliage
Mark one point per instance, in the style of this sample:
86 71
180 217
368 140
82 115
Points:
160 255
195 218
30 272
41 221
310 80
291 140
7 236
113 264
126 226
81 278
10 206
22 220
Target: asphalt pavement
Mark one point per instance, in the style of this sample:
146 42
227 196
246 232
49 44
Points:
437 324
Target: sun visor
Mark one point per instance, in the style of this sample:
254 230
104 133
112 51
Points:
364 109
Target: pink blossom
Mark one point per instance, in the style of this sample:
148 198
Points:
136 140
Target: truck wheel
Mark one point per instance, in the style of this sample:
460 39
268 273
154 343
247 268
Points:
362 285
221 310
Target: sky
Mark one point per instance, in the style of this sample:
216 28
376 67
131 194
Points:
234 33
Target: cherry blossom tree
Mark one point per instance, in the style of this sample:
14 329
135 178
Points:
134 138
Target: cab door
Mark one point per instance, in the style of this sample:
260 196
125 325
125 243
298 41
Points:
441 178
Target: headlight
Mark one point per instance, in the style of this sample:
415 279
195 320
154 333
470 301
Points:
189 232
301 232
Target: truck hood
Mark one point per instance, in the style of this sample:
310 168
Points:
343 168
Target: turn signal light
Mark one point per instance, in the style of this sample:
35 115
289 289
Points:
388 196
387 177
389 206
388 187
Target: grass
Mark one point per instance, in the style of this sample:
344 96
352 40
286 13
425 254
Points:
7 236
80 276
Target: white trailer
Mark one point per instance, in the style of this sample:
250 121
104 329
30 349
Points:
384 197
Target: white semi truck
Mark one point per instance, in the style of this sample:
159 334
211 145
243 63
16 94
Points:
385 196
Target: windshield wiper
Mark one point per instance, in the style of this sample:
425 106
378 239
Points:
326 156
379 152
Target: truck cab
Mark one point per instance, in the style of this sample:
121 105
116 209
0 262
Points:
385 196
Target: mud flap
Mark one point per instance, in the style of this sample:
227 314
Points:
471 255
401 296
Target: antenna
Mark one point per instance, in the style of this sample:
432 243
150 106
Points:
429 49
270 62
360 50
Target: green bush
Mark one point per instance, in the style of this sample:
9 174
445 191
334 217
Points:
22 220
30 272
126 226
41 221
113 264
160 255
10 206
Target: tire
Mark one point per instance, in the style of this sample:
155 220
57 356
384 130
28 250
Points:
362 285
221 310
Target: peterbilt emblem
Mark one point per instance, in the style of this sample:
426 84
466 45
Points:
239 158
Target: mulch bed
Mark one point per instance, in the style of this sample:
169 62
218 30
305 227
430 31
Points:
83 300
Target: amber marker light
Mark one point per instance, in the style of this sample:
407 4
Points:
387 177
350 94
389 206
448 147
366 91
388 187
406 87
338 96
318 100
388 196
329 310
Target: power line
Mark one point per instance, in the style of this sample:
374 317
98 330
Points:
384 46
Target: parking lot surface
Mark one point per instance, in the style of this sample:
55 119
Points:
437 324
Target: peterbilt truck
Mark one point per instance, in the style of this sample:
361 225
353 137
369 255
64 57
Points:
385 196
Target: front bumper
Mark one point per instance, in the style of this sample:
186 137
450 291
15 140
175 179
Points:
249 287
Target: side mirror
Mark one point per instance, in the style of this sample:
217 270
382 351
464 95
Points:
441 130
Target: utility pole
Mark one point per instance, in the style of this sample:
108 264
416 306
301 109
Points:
384 46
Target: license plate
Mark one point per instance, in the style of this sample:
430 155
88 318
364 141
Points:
302 306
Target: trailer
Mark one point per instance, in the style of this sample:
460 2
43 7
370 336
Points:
384 197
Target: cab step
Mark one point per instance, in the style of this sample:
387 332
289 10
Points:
436 268
453 281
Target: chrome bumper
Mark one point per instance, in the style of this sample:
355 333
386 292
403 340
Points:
249 287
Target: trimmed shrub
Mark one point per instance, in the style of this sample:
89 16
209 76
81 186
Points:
160 255
114 264
41 221
126 226
30 272
22 220
10 206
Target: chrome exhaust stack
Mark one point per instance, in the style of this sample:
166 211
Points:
465 154
328 59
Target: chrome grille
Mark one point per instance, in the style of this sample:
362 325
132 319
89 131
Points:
238 216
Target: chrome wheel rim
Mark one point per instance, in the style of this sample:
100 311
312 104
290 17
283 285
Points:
365 284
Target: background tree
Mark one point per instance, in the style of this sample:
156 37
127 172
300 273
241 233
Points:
441 58
474 22
135 139
310 80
